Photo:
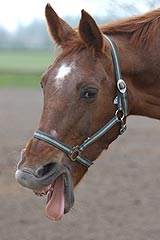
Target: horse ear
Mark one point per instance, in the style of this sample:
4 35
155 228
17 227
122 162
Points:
90 33
59 30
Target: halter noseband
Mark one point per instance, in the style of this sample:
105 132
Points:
75 153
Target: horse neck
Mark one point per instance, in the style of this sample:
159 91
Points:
140 69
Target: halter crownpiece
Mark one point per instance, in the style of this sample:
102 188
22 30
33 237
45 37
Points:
75 153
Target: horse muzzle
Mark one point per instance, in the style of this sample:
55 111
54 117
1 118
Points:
38 178
52 180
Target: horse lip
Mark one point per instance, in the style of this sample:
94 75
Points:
26 178
68 191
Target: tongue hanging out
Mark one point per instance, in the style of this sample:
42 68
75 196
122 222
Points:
55 206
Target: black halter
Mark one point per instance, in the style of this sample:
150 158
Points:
75 153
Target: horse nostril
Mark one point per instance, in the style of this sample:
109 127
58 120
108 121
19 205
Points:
46 169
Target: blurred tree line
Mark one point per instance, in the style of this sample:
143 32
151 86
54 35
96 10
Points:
32 36
35 36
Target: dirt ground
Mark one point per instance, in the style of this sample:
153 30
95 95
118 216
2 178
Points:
119 199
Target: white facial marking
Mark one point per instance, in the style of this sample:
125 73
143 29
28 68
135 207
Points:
63 71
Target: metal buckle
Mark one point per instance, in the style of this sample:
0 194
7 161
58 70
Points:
123 127
120 116
121 85
76 151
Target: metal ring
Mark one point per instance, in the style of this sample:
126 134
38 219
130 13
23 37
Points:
121 85
76 151
117 113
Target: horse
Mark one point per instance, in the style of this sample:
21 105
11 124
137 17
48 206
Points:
102 75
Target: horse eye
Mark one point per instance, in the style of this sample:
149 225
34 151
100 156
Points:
88 93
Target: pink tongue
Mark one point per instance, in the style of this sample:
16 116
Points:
55 207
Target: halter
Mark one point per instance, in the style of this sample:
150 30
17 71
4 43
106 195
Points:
75 153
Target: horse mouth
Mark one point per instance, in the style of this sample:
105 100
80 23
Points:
57 188
60 197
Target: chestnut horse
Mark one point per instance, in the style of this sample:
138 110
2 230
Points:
86 102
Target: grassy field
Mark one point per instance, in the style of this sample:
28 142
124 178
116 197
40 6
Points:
23 68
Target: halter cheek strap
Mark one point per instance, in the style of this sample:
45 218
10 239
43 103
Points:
75 153
121 98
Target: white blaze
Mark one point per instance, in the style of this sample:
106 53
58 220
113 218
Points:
63 71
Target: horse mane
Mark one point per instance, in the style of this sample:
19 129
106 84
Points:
141 29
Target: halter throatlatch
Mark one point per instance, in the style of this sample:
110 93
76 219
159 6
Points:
75 153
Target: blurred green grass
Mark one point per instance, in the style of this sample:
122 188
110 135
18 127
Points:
23 68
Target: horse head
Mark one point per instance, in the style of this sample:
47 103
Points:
79 90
